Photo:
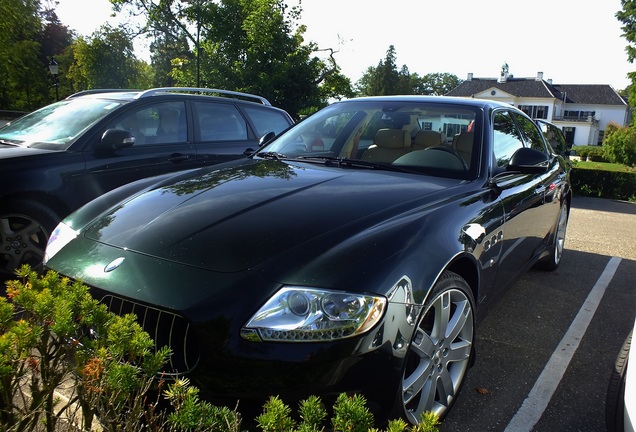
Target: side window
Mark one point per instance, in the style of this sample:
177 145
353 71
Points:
534 137
157 124
267 120
220 122
506 138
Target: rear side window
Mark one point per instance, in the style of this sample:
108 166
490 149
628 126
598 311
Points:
506 138
220 122
267 120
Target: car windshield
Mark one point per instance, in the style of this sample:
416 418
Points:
430 138
57 125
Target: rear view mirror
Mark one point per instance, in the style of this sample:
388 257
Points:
528 161
266 138
115 139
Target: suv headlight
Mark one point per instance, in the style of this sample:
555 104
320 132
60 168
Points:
296 314
61 236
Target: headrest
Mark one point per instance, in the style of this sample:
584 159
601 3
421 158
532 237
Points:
464 142
427 138
392 138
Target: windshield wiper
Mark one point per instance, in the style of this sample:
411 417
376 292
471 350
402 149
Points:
357 163
10 142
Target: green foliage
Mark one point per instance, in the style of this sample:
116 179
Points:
619 145
604 184
351 414
385 79
275 417
192 414
48 346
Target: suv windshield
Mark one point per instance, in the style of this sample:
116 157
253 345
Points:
431 138
56 126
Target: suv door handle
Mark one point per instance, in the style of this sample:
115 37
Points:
178 157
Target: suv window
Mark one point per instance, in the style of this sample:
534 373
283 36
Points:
220 122
506 138
267 120
161 123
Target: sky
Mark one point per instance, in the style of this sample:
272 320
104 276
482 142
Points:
570 41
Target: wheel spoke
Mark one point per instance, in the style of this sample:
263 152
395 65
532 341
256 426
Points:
458 320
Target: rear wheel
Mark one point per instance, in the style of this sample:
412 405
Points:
552 261
25 227
615 399
440 351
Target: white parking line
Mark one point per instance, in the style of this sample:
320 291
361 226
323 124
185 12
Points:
533 407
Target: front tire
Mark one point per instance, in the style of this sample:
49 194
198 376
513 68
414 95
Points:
440 350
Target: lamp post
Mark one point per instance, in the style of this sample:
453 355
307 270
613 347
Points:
55 70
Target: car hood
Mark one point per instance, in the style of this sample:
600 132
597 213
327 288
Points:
9 151
233 219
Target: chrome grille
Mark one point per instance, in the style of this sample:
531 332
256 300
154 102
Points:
165 328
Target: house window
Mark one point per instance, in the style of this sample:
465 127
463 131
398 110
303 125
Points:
535 111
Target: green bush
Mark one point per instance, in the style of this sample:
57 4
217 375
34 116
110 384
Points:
604 184
619 145
592 153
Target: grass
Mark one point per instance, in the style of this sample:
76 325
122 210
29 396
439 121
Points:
606 166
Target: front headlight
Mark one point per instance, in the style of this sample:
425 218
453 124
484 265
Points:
296 314
61 236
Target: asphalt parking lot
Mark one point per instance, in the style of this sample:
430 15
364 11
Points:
546 351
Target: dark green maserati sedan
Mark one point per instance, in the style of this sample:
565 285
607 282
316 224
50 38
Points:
356 252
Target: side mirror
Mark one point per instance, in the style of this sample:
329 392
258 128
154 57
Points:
266 138
528 161
115 139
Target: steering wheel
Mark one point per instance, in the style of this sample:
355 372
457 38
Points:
451 151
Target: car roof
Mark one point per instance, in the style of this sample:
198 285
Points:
473 102
132 94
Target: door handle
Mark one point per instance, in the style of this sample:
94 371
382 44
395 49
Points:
178 157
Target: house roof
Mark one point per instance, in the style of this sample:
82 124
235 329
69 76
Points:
596 94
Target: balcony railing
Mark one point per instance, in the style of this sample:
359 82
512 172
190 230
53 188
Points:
583 119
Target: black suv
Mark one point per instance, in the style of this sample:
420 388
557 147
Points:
59 157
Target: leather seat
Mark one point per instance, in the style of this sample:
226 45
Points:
463 146
426 138
388 145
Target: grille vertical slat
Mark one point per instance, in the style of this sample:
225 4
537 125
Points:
165 328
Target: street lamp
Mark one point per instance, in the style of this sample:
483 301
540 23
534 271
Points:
55 70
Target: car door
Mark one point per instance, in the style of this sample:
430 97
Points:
161 145
221 132
526 218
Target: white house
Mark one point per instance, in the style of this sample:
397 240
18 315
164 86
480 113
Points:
582 111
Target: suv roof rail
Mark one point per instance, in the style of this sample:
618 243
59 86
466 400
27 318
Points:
97 91
154 91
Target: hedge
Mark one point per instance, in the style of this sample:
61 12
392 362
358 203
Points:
604 184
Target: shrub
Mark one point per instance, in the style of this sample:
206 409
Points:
619 145
604 184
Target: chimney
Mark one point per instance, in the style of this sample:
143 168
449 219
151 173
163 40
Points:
470 76
539 76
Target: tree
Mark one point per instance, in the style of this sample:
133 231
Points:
23 79
253 46
628 17
437 84
105 60
385 79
